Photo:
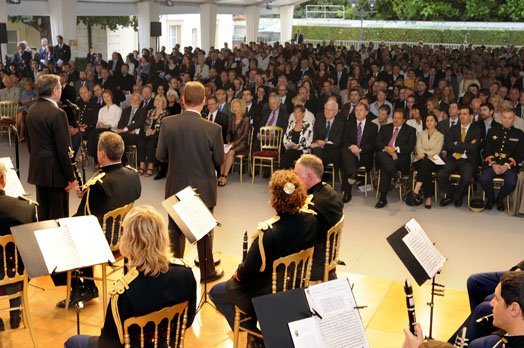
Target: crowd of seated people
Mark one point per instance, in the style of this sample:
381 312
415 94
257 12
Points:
328 81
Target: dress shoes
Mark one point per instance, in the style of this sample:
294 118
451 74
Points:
16 317
445 201
458 203
352 180
347 196
381 203
489 204
2 327
84 294
500 205
219 273
159 175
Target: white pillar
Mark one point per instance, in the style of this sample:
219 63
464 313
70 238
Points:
208 23
286 22
252 14
63 15
3 19
147 13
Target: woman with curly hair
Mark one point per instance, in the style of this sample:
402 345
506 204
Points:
291 230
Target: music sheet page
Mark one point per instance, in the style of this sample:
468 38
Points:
58 249
306 333
13 186
423 249
196 216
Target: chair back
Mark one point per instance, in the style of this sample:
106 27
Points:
176 316
294 270
334 236
8 110
12 268
270 138
250 138
112 225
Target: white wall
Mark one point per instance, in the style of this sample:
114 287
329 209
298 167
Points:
123 40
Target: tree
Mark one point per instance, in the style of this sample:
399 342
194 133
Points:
512 10
41 23
106 22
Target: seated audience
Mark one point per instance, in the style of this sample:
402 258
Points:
297 138
382 117
149 136
328 134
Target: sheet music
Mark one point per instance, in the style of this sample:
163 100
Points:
330 297
186 193
13 186
58 249
423 249
305 333
437 160
196 216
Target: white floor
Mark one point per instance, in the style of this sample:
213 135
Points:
471 242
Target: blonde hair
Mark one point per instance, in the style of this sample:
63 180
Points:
241 102
145 241
163 99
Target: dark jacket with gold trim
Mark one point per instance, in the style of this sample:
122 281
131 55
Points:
504 145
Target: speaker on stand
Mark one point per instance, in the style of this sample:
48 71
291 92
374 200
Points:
156 31
3 38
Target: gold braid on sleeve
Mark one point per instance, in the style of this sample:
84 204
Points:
119 287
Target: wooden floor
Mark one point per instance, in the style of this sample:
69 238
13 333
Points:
384 317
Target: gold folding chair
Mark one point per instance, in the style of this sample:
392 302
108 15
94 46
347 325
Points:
176 314
399 188
8 113
433 178
269 154
333 240
112 227
292 271
364 173
497 185
245 155
131 153
14 275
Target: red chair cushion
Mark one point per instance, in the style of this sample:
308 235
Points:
7 122
243 153
266 153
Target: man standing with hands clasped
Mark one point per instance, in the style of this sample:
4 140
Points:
194 147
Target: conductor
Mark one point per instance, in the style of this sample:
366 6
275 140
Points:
194 147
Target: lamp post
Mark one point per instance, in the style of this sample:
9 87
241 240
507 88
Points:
362 12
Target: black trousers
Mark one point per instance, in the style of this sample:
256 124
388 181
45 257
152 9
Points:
350 164
92 141
466 170
290 156
147 149
53 202
205 252
424 168
329 155
129 139
388 168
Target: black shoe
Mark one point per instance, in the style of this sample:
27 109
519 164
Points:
16 317
159 175
381 203
458 202
445 201
84 294
352 180
254 342
219 273
427 206
347 196
500 205
489 204
2 328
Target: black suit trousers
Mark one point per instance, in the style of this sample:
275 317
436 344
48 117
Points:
424 168
466 170
289 157
388 168
53 202
328 156
129 139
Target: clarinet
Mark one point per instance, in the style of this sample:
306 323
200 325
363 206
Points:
244 247
411 306
71 154
461 341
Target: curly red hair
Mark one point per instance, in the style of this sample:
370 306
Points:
282 202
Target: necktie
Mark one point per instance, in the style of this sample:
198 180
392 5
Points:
145 104
462 139
131 117
272 119
211 117
393 137
359 133
100 101
328 129
220 108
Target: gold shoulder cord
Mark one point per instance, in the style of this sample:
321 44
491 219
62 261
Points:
87 187
262 226
305 208
119 287
32 203
133 169
182 262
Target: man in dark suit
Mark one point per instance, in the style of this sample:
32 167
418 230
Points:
253 111
48 142
299 37
115 64
348 109
88 111
147 100
341 76
109 82
218 117
445 125
395 142
193 148
13 212
125 81
462 147
286 97
328 133
359 144
61 52
327 92
131 123
276 116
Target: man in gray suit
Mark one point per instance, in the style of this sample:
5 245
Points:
193 147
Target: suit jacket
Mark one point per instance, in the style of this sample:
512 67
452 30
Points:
89 112
48 141
118 67
150 105
336 133
282 120
430 146
254 114
110 83
472 149
342 84
64 53
444 126
14 212
138 119
367 143
87 83
193 148
222 120
125 82
406 138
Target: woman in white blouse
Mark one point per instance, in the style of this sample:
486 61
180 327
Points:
201 70
415 120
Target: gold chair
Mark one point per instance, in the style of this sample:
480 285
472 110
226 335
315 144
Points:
12 276
8 112
270 142
244 155
112 227
433 178
454 180
291 266
497 185
363 172
330 169
399 188
132 153
333 240
178 311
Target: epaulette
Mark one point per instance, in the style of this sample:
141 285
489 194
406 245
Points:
309 202
182 262
263 226
133 169
119 287
94 179
28 200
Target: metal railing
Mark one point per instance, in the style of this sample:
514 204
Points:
313 11
388 44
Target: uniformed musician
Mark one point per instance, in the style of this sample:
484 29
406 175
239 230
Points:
503 150
113 186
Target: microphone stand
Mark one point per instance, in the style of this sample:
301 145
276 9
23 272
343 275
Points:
436 290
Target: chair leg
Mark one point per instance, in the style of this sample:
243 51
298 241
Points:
378 184
236 329
333 178
104 290
253 171
240 169
68 290
365 184
436 190
28 323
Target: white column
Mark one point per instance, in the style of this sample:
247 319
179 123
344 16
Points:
3 19
147 13
252 14
208 23
286 22
63 15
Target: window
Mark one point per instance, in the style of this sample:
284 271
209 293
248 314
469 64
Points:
174 35
195 38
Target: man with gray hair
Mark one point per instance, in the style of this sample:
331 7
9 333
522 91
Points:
10 92
327 135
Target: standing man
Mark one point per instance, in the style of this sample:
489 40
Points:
299 37
48 142
61 52
194 147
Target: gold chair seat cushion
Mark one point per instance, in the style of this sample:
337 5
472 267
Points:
265 153
7 122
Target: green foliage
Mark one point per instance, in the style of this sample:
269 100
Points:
477 37
81 63
112 23
512 10
480 10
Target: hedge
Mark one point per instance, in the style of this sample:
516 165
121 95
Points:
449 36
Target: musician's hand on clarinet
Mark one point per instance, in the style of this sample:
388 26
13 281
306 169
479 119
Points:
79 192
412 341
70 186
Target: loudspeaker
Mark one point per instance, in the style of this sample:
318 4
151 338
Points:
156 29
3 33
